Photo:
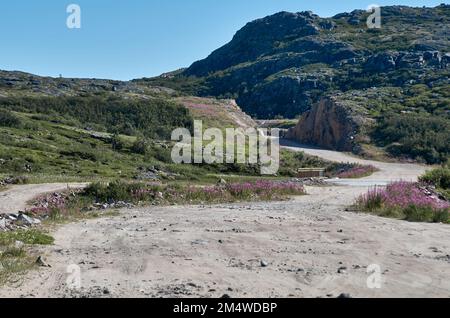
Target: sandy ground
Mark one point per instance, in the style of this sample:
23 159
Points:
309 246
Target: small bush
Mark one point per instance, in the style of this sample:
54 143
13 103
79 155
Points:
415 213
114 191
440 178
8 119
140 146
80 153
117 143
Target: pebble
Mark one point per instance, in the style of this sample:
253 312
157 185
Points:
40 262
342 270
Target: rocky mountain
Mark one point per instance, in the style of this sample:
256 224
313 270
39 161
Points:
282 64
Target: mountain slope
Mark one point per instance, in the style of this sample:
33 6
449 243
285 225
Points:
280 65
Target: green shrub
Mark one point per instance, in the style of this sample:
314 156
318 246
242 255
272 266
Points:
438 177
117 143
140 146
8 119
114 191
415 136
415 213
155 118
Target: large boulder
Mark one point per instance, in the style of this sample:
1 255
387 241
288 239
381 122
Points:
328 124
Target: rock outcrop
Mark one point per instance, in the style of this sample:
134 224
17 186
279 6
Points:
328 124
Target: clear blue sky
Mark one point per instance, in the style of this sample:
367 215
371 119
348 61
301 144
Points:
122 39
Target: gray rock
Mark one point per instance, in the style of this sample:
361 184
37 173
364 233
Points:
2 224
264 263
381 62
27 220
19 245
342 270
41 262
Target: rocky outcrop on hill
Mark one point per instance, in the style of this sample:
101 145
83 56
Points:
329 124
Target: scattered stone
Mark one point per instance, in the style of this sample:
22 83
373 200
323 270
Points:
27 220
41 262
342 270
264 264
225 296
343 295
19 245
2 224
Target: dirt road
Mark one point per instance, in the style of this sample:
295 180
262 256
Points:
307 247
387 171
15 198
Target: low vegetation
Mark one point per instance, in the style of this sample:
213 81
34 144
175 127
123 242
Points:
350 170
440 179
15 261
260 190
419 137
405 200
154 118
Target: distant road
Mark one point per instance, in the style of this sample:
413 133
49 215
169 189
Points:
388 171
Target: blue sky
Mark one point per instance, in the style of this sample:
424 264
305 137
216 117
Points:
135 38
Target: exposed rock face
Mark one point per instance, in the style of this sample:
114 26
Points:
328 124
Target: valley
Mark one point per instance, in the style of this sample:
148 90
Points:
94 204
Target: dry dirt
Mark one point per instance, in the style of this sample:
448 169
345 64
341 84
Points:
309 246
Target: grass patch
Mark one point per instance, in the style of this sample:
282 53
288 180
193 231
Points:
14 259
29 237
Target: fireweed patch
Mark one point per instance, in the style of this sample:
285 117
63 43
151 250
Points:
406 200
357 171
181 194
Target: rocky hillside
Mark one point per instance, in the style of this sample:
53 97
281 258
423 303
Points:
282 64
17 86
353 85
